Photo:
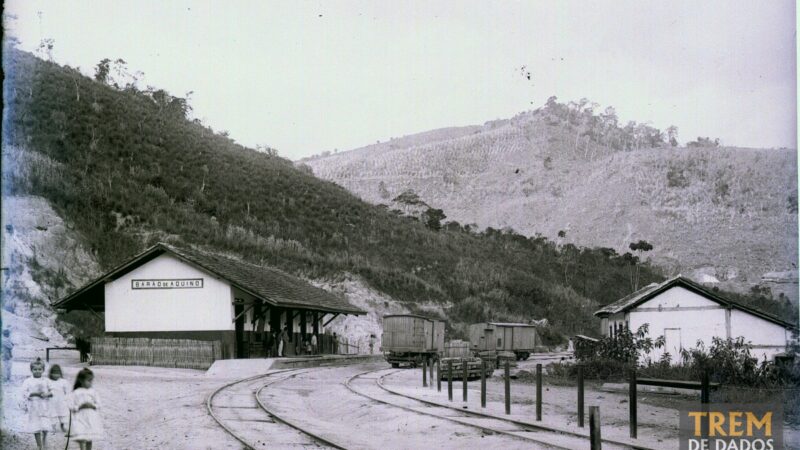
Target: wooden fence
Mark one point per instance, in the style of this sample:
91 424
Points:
182 353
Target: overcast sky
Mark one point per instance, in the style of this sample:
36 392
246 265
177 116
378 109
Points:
314 76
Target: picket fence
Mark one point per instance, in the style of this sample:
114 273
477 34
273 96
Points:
182 353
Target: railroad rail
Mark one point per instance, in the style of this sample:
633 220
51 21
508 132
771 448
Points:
543 435
252 422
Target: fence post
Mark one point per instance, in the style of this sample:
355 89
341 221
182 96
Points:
595 441
508 388
430 376
538 392
438 375
580 396
464 374
705 399
450 379
483 383
424 372
632 401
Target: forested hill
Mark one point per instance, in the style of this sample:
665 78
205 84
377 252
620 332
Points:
709 211
125 168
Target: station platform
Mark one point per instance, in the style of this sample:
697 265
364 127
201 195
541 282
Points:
241 368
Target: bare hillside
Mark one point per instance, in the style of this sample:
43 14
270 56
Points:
710 212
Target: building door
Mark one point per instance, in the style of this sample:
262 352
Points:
490 343
672 343
241 346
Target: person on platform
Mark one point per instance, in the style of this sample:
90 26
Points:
284 342
371 343
87 425
314 349
36 394
59 410
269 337
8 350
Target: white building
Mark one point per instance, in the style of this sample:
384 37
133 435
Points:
685 312
168 292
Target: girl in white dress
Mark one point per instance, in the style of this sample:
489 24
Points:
59 411
36 394
84 404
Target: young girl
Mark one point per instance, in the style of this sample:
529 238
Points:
59 411
36 393
84 402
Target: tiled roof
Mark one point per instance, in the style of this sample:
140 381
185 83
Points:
269 284
644 294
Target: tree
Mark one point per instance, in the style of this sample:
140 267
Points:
639 247
433 218
102 70
672 135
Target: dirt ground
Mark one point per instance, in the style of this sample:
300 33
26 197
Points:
159 408
142 408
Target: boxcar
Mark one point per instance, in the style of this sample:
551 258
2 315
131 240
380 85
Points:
409 338
519 338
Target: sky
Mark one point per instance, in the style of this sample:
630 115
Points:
307 77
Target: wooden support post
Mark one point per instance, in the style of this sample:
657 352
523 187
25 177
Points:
303 324
430 367
632 402
438 375
464 374
507 377
483 384
450 379
595 440
329 320
580 396
424 372
538 392
315 327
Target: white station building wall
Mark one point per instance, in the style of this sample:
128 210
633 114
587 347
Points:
685 318
136 302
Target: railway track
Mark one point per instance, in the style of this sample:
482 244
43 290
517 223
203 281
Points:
236 407
541 436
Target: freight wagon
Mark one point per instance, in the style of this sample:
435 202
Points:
409 338
488 337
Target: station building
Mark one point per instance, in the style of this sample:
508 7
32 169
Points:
685 312
168 292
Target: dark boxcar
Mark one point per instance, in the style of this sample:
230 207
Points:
409 338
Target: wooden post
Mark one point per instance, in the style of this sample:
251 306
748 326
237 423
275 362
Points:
464 373
450 379
632 402
705 396
483 384
595 441
431 373
580 396
289 324
424 372
438 375
538 392
303 325
315 327
508 387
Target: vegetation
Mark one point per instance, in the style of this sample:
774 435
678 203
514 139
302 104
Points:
127 168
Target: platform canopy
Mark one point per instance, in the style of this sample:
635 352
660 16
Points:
274 287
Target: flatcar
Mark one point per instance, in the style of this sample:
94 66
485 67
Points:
518 338
411 339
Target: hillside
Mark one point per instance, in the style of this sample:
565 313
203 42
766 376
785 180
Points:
712 213
125 168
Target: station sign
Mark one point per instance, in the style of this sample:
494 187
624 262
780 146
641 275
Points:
168 283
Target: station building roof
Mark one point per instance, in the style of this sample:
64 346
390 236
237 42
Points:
646 293
269 284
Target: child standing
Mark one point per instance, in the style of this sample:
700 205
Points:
59 411
36 392
84 403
